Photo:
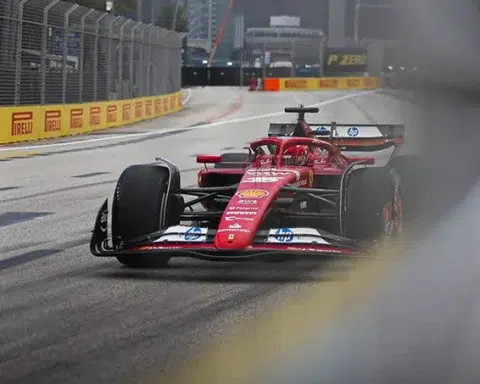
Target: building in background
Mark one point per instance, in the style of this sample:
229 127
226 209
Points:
205 22
199 19
149 10
284 43
313 13
373 24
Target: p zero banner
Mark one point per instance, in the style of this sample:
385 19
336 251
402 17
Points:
327 83
345 60
51 121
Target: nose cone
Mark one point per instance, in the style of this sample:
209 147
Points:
233 237
242 217
248 207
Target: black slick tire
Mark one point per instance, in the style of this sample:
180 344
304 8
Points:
137 210
368 191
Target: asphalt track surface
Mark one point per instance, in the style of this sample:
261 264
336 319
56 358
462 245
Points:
68 317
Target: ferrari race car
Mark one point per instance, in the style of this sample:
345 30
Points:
293 193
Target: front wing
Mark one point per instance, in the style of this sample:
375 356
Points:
198 242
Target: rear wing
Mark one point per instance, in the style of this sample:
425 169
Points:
353 137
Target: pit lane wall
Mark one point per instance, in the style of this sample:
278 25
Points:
26 123
320 83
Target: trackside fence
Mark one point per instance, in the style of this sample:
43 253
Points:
55 52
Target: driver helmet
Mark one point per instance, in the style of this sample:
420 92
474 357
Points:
296 155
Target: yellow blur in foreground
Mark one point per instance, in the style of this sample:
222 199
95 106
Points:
28 123
243 357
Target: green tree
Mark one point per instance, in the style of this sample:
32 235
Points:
167 17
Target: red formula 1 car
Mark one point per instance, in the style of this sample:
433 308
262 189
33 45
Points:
294 193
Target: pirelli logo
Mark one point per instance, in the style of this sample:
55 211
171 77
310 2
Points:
138 109
95 115
296 84
369 83
172 102
76 118
165 104
111 114
328 83
354 83
127 112
22 123
53 121
148 108
179 101
158 106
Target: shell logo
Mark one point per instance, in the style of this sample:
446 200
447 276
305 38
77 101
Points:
252 193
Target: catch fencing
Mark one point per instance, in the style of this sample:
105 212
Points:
55 52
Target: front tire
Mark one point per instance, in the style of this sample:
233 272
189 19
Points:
138 208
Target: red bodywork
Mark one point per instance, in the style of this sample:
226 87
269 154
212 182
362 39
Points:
247 203
262 180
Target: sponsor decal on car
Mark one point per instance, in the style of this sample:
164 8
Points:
270 172
262 179
310 178
284 235
252 193
235 218
243 208
300 183
193 233
247 202
241 213
234 228
296 236
320 250
353 131
182 233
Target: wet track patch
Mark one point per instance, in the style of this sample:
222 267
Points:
8 189
27 257
91 174
199 124
109 133
10 218
129 141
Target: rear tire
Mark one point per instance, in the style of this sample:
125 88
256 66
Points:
137 209
370 197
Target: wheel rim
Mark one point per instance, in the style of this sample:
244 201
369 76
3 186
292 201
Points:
398 211
387 222
392 215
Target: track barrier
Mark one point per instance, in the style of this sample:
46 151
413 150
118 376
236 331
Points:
27 123
320 83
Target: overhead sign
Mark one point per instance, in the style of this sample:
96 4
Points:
345 60
267 57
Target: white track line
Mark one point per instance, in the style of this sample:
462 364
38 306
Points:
187 99
209 125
